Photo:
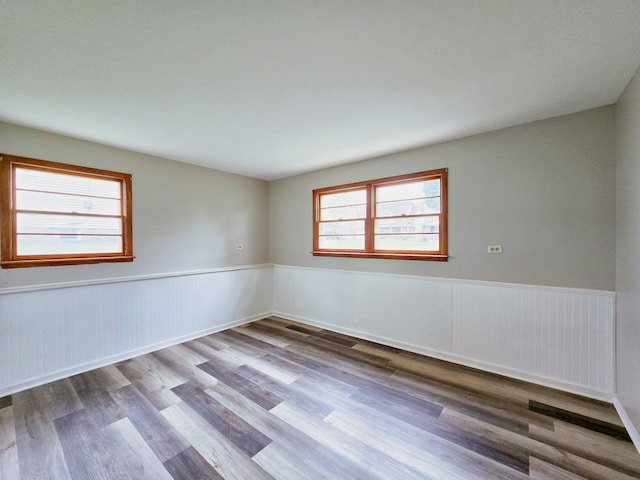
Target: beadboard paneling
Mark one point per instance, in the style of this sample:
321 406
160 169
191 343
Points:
51 333
559 337
425 320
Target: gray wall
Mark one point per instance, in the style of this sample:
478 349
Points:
184 217
545 191
628 249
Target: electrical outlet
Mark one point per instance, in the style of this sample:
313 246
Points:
239 246
494 249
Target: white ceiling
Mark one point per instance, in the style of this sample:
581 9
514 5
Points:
272 88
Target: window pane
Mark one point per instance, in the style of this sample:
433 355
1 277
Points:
408 242
408 207
404 191
67 244
56 202
432 188
67 224
352 197
342 228
352 242
343 213
408 225
28 179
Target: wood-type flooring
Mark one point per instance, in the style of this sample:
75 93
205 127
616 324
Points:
276 399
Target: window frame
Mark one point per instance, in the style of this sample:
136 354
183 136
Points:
369 221
9 257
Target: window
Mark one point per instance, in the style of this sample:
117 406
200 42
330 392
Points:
403 217
57 214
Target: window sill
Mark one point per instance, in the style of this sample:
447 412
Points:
391 256
52 262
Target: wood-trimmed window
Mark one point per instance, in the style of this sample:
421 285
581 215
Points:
58 214
402 217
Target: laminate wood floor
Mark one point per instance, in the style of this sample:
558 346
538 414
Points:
275 399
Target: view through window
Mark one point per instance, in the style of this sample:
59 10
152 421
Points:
396 217
55 213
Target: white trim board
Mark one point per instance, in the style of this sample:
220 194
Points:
488 283
460 360
133 278
628 424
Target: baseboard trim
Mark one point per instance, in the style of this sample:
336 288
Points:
458 359
102 362
626 420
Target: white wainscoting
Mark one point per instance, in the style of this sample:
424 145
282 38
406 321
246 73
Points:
50 332
559 337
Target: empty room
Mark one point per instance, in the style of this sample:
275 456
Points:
299 240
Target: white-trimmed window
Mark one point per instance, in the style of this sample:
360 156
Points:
402 217
58 214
